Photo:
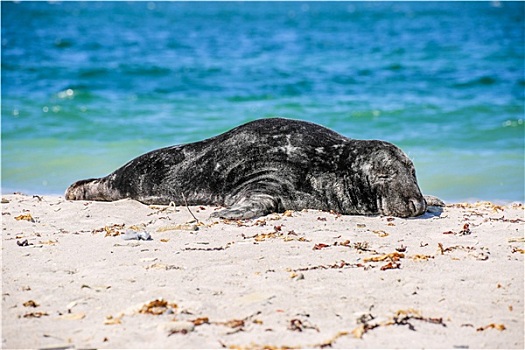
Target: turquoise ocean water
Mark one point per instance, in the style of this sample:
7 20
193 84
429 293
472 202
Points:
88 86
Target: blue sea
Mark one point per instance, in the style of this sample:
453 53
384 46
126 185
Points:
87 86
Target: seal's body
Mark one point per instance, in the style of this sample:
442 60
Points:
269 165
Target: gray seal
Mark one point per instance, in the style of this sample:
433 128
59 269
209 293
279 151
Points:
269 165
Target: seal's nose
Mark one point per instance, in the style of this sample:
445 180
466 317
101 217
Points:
418 207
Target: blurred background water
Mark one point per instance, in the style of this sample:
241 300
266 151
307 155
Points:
87 86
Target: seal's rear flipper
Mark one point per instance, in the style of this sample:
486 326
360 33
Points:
248 208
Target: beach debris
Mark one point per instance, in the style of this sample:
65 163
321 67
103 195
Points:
297 276
403 317
111 231
518 250
157 307
30 303
463 232
234 323
478 205
390 266
73 316
330 342
191 226
163 267
363 247
390 221
483 254
516 240
264 236
36 314
395 256
393 262
466 230
342 264
298 325
95 288
24 243
288 213
5 201
277 233
260 222
177 327
401 249
381 233
49 242
345 243
503 219
421 257
200 321
499 327
110 320
26 217
320 246
254 346
211 248
400 318
138 235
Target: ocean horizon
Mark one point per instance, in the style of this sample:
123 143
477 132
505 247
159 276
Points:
88 86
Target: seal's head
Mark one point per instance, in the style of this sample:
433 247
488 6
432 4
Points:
392 179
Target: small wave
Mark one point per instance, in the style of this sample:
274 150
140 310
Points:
485 80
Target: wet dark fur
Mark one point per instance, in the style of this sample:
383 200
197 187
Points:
269 165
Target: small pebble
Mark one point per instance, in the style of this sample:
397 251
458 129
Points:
141 235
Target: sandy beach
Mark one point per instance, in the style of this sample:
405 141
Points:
309 279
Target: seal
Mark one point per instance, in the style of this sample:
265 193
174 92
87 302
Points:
269 165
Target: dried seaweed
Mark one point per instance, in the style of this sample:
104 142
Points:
25 217
400 318
110 231
200 321
329 343
391 266
320 246
157 307
342 264
395 256
499 327
381 233
30 303
298 325
36 314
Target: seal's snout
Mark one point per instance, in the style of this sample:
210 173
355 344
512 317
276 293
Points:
417 207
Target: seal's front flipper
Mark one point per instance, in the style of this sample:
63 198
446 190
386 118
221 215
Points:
434 205
434 201
248 208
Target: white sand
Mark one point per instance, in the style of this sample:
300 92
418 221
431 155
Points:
259 283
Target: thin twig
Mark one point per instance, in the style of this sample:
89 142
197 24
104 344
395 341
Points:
187 207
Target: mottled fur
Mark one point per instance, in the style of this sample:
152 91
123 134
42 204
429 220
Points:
269 165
